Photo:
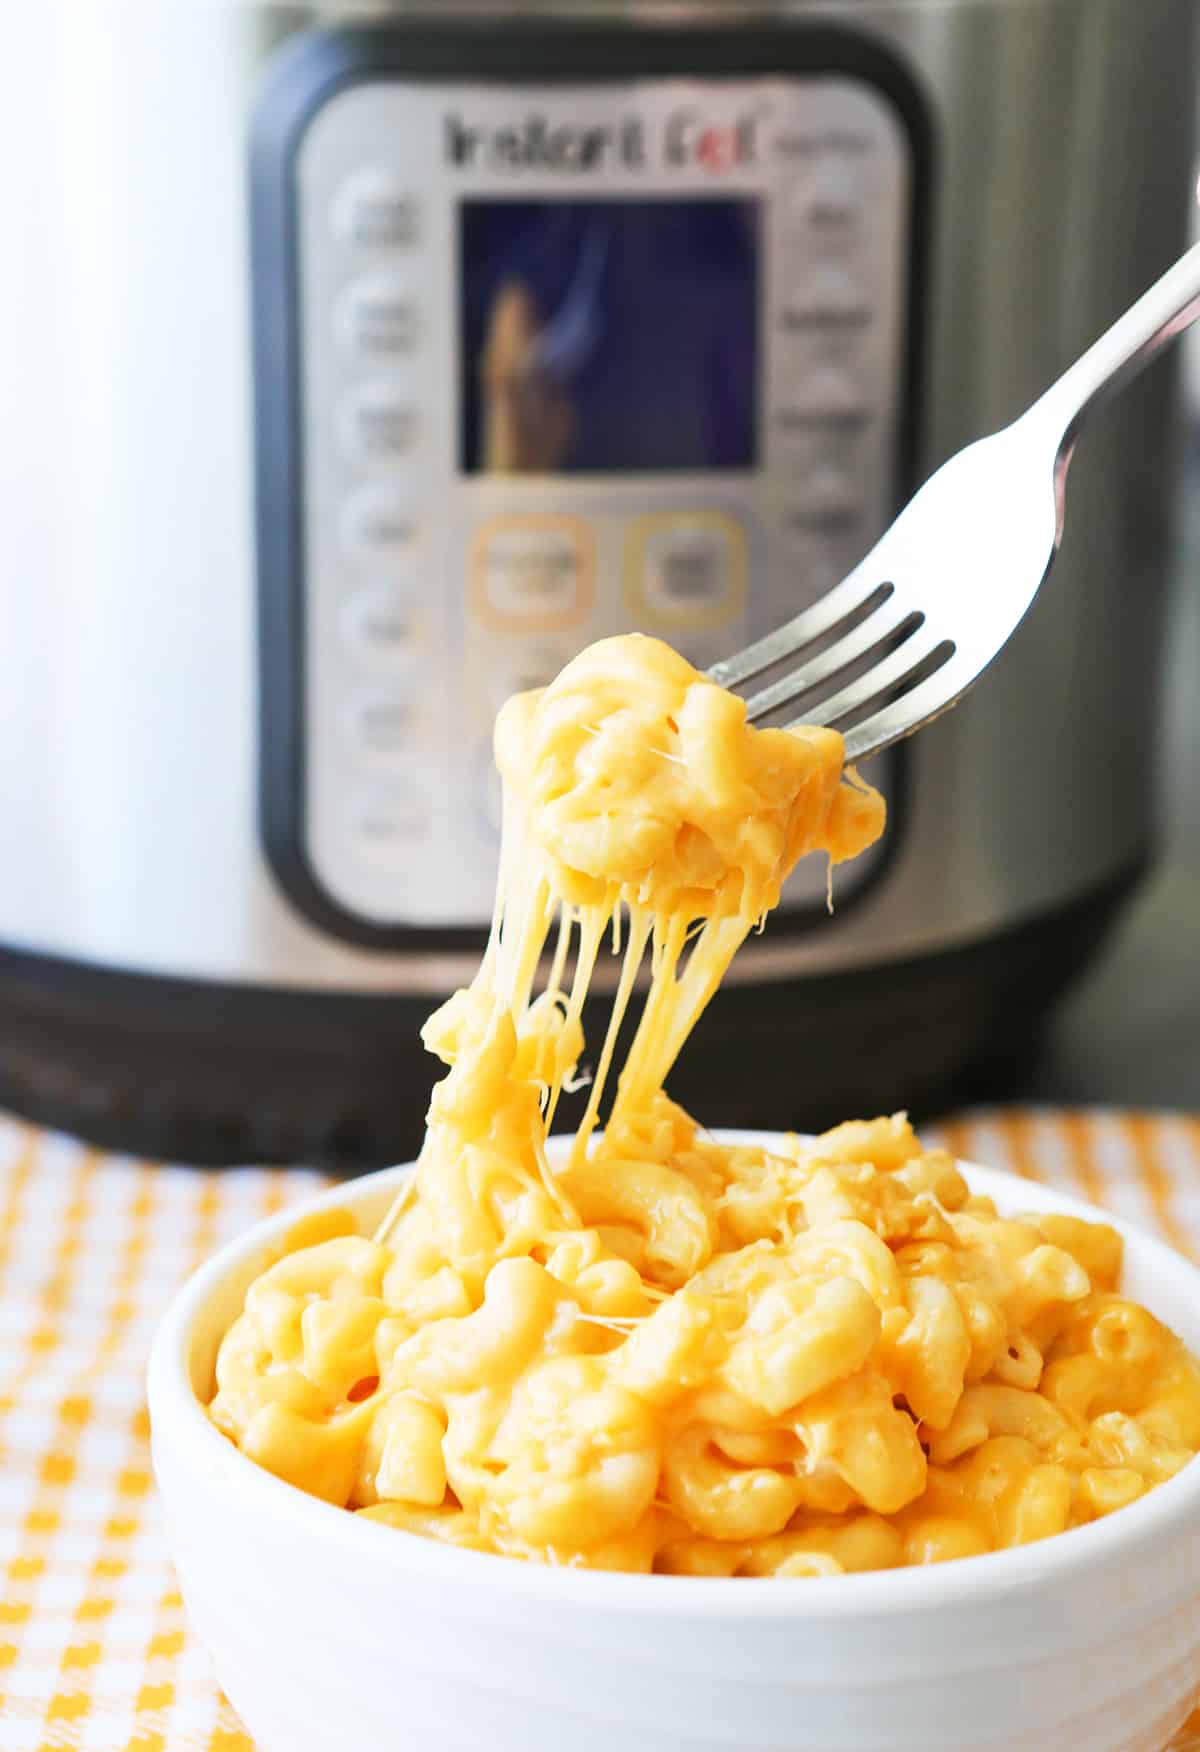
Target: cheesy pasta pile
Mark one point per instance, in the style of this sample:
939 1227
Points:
649 1350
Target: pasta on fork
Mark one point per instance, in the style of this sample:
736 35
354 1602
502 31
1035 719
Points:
651 1350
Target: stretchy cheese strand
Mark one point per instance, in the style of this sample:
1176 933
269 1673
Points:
652 1351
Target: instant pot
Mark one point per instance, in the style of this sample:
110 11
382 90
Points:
363 363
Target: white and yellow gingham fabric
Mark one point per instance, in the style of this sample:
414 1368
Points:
95 1651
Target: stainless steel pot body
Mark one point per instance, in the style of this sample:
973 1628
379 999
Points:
1055 186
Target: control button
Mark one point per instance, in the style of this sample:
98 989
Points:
532 573
829 298
811 349
377 316
378 628
380 721
841 521
835 415
831 284
829 196
821 456
686 569
825 487
376 209
827 210
378 421
808 317
388 816
822 395
836 187
379 523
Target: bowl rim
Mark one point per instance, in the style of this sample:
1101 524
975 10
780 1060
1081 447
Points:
179 1420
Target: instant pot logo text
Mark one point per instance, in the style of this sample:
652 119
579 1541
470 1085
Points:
537 143
688 141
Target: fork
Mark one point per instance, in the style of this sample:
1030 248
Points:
915 624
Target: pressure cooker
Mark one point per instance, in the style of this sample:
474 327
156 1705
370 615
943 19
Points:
287 514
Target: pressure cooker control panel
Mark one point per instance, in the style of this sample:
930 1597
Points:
540 361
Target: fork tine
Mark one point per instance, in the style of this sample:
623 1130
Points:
844 601
882 631
899 672
896 719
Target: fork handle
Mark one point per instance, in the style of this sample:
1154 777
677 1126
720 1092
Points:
1170 306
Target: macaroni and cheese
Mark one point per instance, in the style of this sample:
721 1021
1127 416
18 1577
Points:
656 1351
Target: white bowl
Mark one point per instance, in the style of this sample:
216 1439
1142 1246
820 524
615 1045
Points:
328 1630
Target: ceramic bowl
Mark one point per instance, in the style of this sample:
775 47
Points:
327 1630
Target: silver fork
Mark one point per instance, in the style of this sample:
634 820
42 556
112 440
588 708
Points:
915 624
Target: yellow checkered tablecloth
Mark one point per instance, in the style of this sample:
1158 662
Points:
95 1653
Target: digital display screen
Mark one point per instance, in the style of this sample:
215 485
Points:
616 336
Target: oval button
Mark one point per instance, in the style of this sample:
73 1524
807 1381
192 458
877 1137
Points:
380 721
377 317
378 523
532 572
378 421
377 627
376 209
388 816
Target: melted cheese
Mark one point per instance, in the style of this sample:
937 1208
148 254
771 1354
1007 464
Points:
635 794
657 1351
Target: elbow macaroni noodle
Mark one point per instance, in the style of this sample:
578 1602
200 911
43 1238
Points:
658 1352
